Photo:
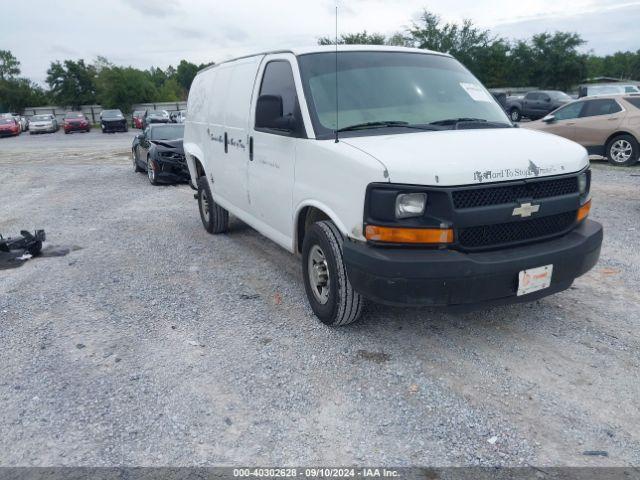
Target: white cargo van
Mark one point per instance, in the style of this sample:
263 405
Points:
410 186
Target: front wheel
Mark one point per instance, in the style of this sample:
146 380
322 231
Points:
151 171
622 151
330 294
215 219
136 165
515 115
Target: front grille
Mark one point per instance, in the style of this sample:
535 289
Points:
496 195
485 236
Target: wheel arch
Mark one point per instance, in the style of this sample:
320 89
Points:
309 212
617 134
194 158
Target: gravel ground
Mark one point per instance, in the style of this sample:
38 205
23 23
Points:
155 343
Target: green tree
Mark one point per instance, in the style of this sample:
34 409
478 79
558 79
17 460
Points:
9 65
556 60
465 42
18 93
72 83
185 74
170 91
121 88
157 76
361 38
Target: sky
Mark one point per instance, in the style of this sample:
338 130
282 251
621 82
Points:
145 33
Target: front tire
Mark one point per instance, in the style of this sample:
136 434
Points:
151 172
515 115
215 219
330 294
622 151
136 165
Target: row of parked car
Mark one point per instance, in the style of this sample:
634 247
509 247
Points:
12 124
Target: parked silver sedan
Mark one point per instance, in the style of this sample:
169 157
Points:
46 123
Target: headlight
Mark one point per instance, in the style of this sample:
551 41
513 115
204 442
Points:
410 204
583 183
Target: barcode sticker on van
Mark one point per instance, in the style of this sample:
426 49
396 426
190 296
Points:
476 92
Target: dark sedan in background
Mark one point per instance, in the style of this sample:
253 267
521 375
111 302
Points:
75 122
155 116
158 151
113 121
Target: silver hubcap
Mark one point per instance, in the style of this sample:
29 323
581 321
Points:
318 271
204 205
621 151
150 171
514 115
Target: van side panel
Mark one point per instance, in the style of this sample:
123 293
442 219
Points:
195 132
334 177
232 172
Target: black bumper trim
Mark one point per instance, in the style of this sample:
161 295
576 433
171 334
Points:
405 276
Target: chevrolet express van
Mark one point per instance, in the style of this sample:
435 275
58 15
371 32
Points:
394 175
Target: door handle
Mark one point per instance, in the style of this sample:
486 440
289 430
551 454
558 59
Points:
251 149
226 143
571 124
612 119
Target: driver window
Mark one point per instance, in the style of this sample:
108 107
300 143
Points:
278 80
570 111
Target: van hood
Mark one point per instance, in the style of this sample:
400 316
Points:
464 157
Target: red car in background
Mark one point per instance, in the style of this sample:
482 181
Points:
136 118
75 122
9 127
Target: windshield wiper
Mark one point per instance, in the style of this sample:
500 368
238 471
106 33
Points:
380 124
482 123
388 124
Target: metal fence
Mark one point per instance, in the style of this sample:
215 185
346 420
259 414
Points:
93 111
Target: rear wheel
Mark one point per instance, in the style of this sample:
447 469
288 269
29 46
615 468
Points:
622 151
215 219
330 294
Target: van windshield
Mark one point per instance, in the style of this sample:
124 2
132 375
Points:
393 89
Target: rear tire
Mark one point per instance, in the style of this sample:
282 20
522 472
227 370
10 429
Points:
515 115
330 294
622 151
215 219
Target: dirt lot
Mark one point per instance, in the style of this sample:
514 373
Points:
158 344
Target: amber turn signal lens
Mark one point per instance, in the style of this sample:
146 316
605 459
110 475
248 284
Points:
584 211
409 235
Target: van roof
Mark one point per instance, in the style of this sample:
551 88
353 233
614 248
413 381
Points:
332 48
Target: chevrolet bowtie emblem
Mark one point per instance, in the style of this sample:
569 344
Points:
525 210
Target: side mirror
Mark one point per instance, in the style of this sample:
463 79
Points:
548 99
269 114
140 136
549 119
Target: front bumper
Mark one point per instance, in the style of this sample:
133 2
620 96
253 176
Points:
76 127
406 276
9 133
120 126
44 129
172 171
